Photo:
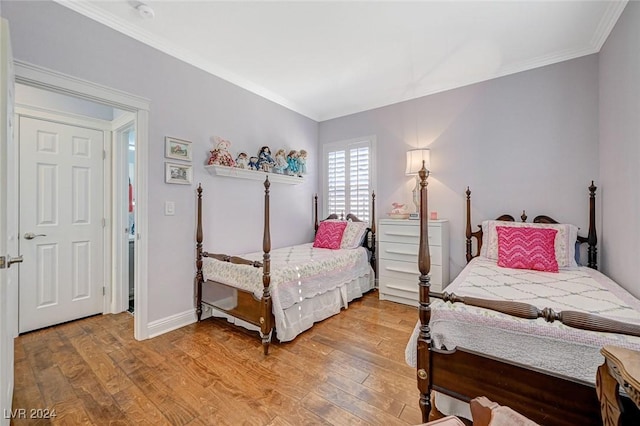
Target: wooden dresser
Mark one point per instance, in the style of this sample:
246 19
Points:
398 242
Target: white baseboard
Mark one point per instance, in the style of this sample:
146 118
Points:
170 323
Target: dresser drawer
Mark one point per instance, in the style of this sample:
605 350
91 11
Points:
408 252
406 288
391 270
408 234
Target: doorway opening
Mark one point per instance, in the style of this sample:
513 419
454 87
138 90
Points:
126 137
138 108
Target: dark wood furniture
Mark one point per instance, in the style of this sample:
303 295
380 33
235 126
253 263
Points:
621 368
248 308
463 374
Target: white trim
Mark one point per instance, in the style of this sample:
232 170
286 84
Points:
64 117
606 24
164 45
120 215
123 120
36 76
170 323
141 295
235 172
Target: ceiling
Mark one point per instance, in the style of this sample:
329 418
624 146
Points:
328 59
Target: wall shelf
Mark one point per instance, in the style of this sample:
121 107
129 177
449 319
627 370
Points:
253 175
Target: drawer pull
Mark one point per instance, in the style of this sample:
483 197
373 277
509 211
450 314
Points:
404 271
401 234
391 286
401 252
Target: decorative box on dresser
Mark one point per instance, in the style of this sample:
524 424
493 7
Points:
398 258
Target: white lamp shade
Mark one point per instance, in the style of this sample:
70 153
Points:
415 157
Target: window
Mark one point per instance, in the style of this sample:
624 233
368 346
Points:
348 177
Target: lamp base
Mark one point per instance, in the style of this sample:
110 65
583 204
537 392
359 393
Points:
414 216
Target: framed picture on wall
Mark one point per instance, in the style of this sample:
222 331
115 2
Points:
178 173
177 149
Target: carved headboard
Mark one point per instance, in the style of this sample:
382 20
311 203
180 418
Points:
591 239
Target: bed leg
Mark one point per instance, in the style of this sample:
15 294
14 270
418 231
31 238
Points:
266 340
425 406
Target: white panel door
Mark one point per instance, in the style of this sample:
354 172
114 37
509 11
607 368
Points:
61 223
8 226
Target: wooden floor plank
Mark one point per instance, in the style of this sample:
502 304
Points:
348 369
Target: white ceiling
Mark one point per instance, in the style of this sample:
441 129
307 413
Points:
329 59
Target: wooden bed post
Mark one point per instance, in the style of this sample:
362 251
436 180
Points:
468 231
266 317
592 238
315 213
199 278
373 262
424 309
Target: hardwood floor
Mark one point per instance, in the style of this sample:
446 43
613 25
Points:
348 369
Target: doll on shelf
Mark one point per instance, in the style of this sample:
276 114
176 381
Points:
302 162
292 162
281 162
220 155
265 160
253 163
242 161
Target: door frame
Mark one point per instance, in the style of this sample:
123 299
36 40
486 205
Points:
43 78
120 250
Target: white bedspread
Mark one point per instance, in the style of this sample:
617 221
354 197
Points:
298 273
552 347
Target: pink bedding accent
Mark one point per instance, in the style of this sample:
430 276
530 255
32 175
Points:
527 248
329 235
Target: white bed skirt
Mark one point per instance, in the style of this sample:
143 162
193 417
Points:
302 315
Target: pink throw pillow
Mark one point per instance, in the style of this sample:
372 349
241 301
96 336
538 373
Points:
329 235
527 248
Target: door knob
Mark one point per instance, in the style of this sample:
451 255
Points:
7 261
31 235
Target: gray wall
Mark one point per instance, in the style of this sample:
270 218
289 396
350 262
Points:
620 150
189 104
526 141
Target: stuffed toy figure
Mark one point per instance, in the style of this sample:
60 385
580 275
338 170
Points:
281 162
292 161
253 163
242 161
220 155
265 160
302 162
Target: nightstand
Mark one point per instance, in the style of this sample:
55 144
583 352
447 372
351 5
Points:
398 243
621 368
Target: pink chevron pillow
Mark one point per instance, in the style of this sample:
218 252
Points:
329 235
527 248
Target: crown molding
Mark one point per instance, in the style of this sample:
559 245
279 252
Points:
86 8
93 12
528 65
606 24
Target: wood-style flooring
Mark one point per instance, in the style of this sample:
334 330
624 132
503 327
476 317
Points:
348 369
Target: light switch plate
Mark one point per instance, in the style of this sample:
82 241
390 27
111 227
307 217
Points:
169 208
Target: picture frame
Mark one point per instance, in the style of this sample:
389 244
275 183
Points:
178 173
177 149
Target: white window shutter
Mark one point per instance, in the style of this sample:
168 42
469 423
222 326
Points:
349 178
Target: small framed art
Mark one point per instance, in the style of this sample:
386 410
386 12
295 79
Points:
178 173
177 149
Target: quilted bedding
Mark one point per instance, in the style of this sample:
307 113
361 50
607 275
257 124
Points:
552 347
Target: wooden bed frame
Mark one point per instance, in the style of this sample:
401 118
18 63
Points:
248 308
463 374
